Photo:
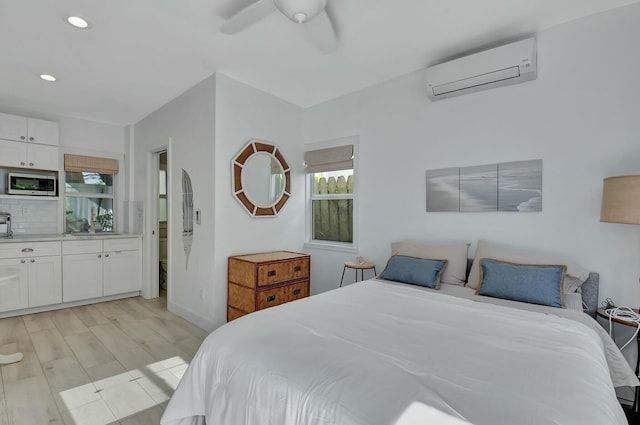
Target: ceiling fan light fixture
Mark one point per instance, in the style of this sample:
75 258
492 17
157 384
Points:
300 11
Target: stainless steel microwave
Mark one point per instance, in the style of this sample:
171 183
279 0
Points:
31 184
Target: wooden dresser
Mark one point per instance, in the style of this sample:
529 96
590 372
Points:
258 281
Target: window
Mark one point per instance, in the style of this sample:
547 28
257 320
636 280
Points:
89 193
331 208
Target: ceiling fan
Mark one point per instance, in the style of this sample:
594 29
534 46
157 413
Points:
310 13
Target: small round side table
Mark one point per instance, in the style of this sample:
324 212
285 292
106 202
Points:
362 267
601 312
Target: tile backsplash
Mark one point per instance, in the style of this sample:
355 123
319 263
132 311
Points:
31 217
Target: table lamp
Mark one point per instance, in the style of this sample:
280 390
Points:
621 200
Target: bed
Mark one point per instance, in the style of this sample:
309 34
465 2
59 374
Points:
382 352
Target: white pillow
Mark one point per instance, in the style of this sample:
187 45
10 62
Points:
455 253
521 255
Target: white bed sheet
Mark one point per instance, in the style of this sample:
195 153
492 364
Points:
362 355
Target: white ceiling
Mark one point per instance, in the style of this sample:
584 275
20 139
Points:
139 54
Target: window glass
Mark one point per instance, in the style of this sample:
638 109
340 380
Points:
332 206
89 182
79 211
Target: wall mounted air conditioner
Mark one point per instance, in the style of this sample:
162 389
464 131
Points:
505 65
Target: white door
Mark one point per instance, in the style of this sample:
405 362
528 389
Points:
45 281
81 277
13 127
42 157
14 288
41 131
13 154
121 272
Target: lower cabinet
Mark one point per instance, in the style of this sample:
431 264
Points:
96 268
29 275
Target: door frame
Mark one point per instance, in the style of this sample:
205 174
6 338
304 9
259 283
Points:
150 288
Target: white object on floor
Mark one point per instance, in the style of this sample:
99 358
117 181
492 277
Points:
11 358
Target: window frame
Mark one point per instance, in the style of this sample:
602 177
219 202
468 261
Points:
351 247
112 196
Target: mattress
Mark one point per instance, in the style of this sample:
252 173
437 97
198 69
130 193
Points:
373 353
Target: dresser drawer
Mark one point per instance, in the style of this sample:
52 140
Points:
125 244
271 274
282 294
28 249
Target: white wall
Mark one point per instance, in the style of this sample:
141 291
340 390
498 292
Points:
244 113
580 116
207 126
188 121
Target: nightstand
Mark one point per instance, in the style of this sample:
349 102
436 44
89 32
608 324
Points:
602 313
358 266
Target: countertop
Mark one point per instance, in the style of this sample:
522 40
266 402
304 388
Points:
67 237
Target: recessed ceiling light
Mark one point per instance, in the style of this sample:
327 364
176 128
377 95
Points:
48 77
78 22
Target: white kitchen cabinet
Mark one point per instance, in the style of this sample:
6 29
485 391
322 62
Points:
121 272
81 276
14 285
13 127
28 155
94 268
31 130
39 281
45 281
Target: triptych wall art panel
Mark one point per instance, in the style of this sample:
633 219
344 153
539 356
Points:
509 186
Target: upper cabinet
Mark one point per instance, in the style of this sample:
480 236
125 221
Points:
32 130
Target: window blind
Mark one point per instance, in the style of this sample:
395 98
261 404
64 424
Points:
94 164
329 159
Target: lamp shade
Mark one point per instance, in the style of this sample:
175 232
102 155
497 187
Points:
621 200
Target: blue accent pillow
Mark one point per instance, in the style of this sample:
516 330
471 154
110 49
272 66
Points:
416 271
534 284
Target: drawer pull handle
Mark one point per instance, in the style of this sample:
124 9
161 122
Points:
271 273
296 292
271 298
33 261
23 261
297 268
27 250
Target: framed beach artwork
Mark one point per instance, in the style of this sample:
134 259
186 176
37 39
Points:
508 186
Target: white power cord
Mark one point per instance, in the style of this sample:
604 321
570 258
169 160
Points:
626 314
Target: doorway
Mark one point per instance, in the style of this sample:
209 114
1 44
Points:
163 225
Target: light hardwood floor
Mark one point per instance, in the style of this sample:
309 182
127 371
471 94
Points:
110 363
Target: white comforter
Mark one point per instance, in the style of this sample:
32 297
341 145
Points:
368 354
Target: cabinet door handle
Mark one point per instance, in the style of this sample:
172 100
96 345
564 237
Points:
99 255
22 162
23 261
32 260
106 255
296 292
271 273
31 138
271 298
297 268
27 249
31 164
22 138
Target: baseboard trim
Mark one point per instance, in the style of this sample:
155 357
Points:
196 319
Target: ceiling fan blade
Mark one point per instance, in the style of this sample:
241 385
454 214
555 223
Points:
322 33
248 16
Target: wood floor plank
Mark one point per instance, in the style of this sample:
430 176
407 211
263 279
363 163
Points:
90 315
166 328
105 370
148 417
67 322
28 367
109 310
133 328
29 401
89 350
159 348
4 420
112 337
38 322
136 310
12 329
50 345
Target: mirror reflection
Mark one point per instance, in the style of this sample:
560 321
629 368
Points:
263 179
